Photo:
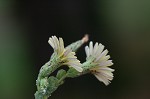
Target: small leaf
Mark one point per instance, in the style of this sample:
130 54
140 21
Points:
44 82
52 80
52 86
60 74
72 73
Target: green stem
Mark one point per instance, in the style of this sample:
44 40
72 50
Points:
49 67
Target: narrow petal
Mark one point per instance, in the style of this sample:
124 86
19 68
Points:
79 69
106 63
106 73
102 79
91 48
75 66
106 69
67 52
99 50
51 42
87 51
95 48
55 44
61 42
102 54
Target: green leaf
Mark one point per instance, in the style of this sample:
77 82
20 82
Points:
72 73
52 80
52 86
60 74
44 82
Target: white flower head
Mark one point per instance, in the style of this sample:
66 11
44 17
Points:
101 71
66 55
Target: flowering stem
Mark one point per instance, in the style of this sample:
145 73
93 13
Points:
47 84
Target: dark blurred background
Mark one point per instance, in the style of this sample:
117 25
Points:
123 26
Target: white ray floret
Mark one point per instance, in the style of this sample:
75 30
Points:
102 72
66 55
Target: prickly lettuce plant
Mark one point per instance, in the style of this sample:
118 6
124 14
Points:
97 63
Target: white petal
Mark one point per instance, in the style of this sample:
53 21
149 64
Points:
102 79
77 62
61 42
51 42
107 74
71 54
106 63
95 48
101 55
99 50
108 77
71 57
57 43
106 57
67 52
87 51
91 47
77 67
54 42
106 69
